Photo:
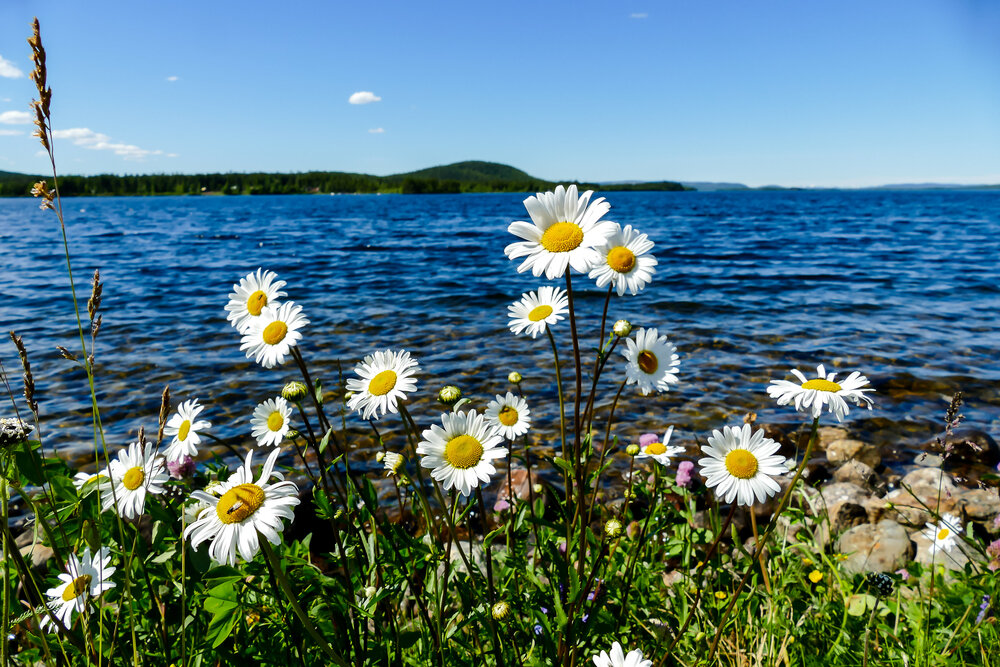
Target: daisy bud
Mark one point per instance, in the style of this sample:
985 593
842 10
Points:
501 610
632 450
622 328
370 592
294 391
449 394
613 528
292 434
514 377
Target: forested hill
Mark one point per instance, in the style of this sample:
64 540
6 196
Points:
472 176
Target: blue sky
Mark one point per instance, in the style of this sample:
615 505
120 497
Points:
790 92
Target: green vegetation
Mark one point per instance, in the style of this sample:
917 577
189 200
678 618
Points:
472 176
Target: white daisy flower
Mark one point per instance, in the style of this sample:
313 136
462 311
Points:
619 659
652 361
460 454
815 393
564 232
85 578
133 474
272 335
660 452
270 422
534 312
943 535
251 295
243 508
86 483
625 261
392 463
509 414
183 428
742 464
386 376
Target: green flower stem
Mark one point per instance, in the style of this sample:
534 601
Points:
293 602
567 480
653 506
763 541
604 452
868 627
588 412
488 552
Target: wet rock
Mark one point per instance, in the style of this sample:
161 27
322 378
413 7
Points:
881 547
969 445
858 473
826 435
845 505
929 478
845 449
37 555
911 508
978 504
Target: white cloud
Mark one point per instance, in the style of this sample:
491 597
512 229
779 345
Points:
376 130
87 138
8 70
364 97
172 78
639 15
15 117
10 133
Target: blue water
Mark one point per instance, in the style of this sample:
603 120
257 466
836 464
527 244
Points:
902 286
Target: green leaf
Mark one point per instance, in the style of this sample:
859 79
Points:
326 439
224 607
488 540
564 464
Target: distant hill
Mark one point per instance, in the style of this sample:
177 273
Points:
708 186
7 176
472 171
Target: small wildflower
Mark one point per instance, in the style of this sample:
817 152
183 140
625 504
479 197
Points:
392 462
993 551
815 576
501 505
840 558
648 439
370 592
684 478
903 573
632 450
501 610
807 561
881 582
942 535
514 377
449 394
720 595
294 391
183 467
622 328
40 189
613 528
983 607
538 629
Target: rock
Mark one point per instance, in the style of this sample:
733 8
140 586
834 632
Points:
929 478
858 473
881 547
518 483
978 504
910 508
37 556
826 435
845 449
969 445
845 505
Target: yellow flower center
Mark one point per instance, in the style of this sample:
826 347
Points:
621 259
741 463
256 303
182 432
133 478
507 416
943 533
78 587
275 421
463 451
647 362
656 448
540 313
562 237
820 384
275 332
239 502
382 383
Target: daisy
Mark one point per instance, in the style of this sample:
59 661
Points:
815 393
660 451
250 296
270 422
619 659
652 361
741 465
386 376
625 261
392 462
460 454
85 578
183 428
241 510
942 536
133 474
534 312
565 232
86 483
509 414
272 335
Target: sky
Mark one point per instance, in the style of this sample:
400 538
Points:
840 93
